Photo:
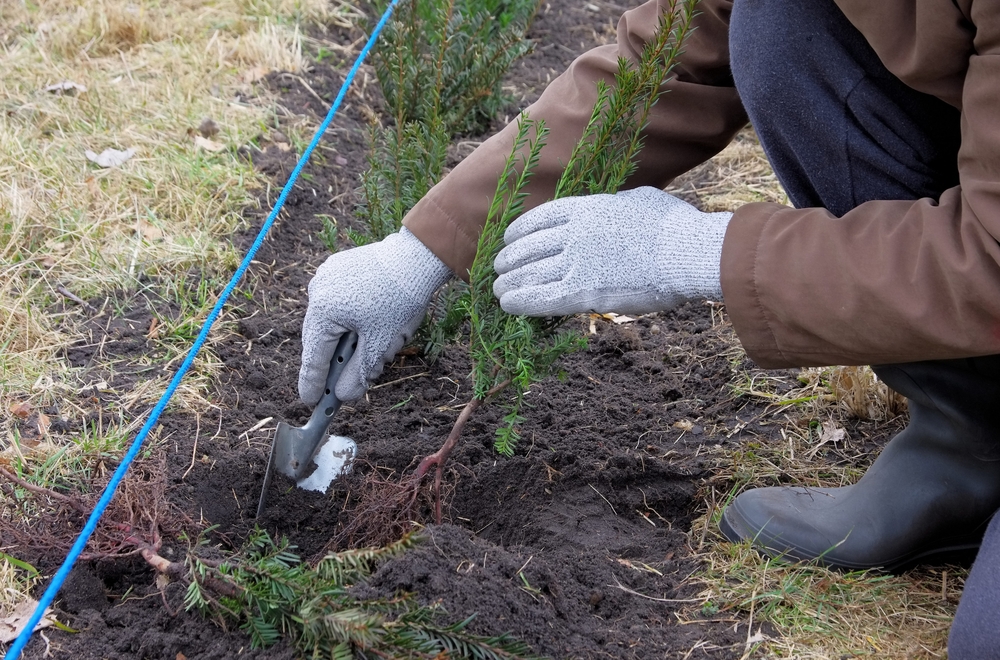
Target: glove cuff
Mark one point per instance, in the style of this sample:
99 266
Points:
694 257
422 273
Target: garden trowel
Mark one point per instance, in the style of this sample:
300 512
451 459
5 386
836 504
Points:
297 450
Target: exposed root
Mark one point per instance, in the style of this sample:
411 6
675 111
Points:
41 519
438 458
45 492
388 508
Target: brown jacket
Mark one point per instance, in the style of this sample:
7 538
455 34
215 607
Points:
891 281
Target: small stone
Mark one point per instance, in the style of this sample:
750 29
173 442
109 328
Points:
654 329
208 127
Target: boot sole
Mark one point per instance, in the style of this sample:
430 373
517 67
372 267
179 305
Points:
960 551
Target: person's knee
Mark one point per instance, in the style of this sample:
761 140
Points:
765 52
788 55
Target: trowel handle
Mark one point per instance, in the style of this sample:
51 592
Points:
329 404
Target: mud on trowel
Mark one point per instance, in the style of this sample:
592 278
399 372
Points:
300 452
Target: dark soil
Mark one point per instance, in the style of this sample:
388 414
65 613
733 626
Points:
578 545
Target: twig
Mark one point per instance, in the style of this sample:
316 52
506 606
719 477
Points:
326 106
606 500
658 600
194 450
75 298
259 425
47 492
398 380
748 647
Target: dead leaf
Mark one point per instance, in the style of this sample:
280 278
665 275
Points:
43 424
828 433
148 230
154 328
208 128
684 425
21 410
109 157
255 74
93 186
208 145
617 319
47 261
11 626
67 87
283 146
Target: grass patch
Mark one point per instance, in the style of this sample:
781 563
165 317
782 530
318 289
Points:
817 613
152 72
16 578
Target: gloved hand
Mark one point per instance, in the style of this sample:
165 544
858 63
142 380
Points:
633 252
381 291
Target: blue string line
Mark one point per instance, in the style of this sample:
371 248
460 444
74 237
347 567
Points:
57 581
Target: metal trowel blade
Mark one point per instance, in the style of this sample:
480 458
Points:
294 448
333 460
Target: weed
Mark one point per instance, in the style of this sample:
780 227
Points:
329 232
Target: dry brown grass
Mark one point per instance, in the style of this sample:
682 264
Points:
740 174
152 71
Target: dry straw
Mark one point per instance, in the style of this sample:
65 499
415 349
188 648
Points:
144 76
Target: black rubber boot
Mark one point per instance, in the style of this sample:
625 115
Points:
927 498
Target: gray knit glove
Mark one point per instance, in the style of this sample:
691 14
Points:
381 291
633 252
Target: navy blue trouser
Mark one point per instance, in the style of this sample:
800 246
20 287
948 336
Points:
841 130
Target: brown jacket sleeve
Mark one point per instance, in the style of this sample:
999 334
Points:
695 120
890 281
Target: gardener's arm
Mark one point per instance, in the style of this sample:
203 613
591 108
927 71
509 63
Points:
891 281
690 124
381 290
